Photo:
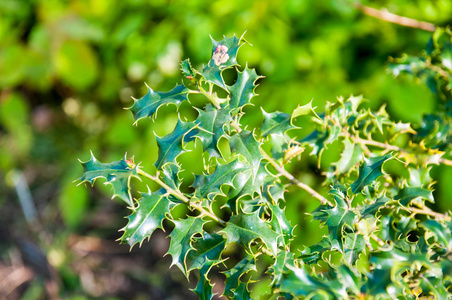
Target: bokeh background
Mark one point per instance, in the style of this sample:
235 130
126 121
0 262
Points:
67 70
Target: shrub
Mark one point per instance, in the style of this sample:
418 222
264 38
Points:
383 241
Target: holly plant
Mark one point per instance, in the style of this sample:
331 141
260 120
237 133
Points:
383 240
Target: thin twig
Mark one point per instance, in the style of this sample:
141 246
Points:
393 18
295 181
389 147
428 212
181 196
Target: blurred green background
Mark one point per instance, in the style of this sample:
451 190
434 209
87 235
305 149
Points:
67 70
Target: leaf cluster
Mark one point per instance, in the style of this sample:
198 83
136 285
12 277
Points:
383 240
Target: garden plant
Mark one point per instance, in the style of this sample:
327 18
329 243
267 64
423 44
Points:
383 240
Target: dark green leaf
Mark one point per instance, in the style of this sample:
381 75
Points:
172 145
243 89
148 105
212 123
207 248
275 123
224 55
233 275
204 288
245 228
209 185
153 208
117 173
369 171
181 240
406 195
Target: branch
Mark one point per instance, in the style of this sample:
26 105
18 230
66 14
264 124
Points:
393 18
181 196
389 147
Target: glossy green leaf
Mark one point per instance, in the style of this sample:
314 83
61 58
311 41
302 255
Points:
275 123
172 145
245 228
182 238
354 245
209 185
408 194
212 124
244 143
148 105
233 275
369 171
242 91
152 209
118 174
206 249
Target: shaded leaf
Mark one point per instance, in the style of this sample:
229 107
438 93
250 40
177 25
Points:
408 194
233 275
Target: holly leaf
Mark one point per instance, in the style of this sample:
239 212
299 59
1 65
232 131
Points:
245 144
117 173
241 292
152 209
275 123
281 225
336 218
243 89
187 69
279 267
204 288
408 194
212 122
350 156
353 246
148 105
207 248
233 275
369 171
298 282
245 228
181 240
209 185
224 55
172 145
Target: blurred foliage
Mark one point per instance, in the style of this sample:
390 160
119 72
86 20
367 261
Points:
67 68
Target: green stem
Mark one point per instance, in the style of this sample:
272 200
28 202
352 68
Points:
181 196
